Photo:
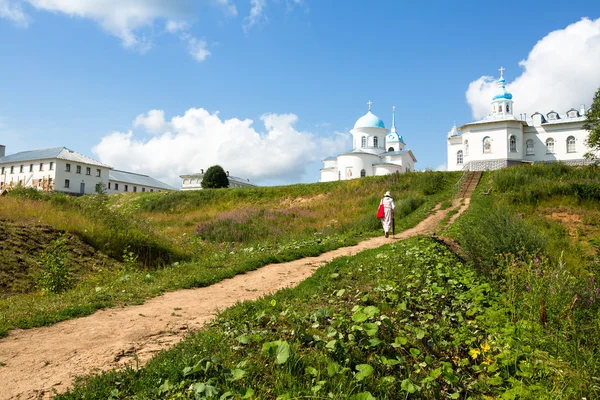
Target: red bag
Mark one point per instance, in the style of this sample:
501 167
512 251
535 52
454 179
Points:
380 211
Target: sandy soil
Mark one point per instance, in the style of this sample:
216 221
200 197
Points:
34 362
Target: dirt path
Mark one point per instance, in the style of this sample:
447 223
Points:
36 361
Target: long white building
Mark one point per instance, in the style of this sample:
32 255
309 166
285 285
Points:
501 139
63 170
375 151
194 181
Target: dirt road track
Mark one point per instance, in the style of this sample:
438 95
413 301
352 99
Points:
41 359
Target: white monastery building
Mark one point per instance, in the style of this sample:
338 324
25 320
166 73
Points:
376 151
63 170
194 181
501 139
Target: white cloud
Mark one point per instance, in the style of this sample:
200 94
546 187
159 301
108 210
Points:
199 139
227 6
173 26
256 13
13 12
153 121
560 72
198 48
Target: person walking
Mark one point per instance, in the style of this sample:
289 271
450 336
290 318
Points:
388 209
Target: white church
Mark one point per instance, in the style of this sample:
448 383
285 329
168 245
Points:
376 151
501 139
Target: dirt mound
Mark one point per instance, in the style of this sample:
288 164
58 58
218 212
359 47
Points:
21 247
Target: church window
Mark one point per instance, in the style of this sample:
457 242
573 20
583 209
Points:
363 173
487 144
571 144
375 141
459 157
507 109
500 108
512 144
549 146
364 142
466 147
391 149
530 150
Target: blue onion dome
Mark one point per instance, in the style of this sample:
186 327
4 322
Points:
369 120
504 94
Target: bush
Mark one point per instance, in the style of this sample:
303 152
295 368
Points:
489 232
55 274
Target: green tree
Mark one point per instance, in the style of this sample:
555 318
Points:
592 125
214 178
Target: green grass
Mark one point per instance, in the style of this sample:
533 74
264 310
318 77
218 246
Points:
407 320
156 236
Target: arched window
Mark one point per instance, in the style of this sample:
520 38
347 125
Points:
487 144
466 147
512 144
363 173
459 157
500 108
571 144
364 142
530 150
507 108
391 149
375 141
549 146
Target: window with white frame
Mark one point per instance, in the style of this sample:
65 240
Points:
78 169
529 148
512 144
459 157
98 172
51 165
68 167
67 183
487 144
363 142
88 171
549 146
363 173
571 144
375 141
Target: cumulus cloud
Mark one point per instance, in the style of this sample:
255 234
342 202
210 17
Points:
560 72
198 139
13 12
197 48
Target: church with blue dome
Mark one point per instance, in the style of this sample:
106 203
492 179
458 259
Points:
502 139
375 151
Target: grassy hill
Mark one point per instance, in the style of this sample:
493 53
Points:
140 245
519 319
516 318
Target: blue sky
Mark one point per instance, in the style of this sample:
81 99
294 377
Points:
268 88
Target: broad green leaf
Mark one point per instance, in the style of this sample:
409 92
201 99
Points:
371 311
408 386
247 393
243 339
371 328
364 371
311 371
359 316
280 349
415 352
238 374
340 292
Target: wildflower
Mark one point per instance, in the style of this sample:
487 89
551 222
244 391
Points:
538 272
527 288
536 260
485 347
474 353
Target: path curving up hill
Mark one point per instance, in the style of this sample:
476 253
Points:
40 360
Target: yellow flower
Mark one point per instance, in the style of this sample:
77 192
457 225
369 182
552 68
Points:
485 347
474 353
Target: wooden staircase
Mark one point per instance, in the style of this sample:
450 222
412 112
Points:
469 184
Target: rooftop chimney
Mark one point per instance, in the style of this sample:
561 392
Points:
582 110
2 150
227 173
201 171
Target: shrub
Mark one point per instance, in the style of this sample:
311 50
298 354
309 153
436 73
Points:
55 274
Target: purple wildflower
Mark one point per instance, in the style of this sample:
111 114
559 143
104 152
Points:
536 260
538 272
527 288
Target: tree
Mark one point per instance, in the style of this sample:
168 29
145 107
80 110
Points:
215 177
592 125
